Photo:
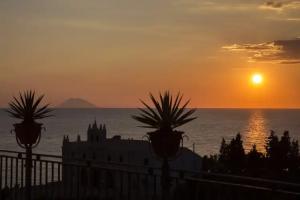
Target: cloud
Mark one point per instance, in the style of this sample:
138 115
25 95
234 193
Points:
279 51
195 6
293 19
280 5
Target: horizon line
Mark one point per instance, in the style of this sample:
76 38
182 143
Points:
237 108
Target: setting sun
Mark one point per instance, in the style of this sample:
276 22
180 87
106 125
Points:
257 79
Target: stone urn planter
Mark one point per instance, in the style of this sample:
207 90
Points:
165 145
28 133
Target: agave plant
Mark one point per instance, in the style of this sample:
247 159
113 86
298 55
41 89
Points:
167 114
27 107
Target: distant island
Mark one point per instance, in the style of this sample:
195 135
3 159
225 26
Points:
76 103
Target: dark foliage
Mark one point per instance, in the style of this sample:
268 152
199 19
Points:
210 164
27 107
281 160
167 113
232 155
282 154
254 161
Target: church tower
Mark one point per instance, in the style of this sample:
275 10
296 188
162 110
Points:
95 134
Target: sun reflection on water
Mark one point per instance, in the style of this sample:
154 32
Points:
256 131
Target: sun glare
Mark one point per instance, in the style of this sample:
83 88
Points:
257 79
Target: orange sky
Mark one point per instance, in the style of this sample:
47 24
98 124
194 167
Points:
112 53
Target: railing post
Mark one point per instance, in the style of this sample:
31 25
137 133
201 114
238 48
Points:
165 179
28 172
11 172
17 172
6 167
0 172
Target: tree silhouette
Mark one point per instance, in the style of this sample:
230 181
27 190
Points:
232 155
281 160
273 152
294 159
282 155
254 161
236 154
224 155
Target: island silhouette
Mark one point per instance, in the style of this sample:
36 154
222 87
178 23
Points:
76 103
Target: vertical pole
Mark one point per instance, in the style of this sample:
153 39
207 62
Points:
129 185
165 179
121 186
22 172
0 172
6 167
17 172
28 172
11 171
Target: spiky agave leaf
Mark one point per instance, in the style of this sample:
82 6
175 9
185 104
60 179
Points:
167 113
26 107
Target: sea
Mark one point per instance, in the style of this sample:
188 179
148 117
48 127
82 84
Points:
203 135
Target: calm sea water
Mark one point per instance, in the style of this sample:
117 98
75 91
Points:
205 132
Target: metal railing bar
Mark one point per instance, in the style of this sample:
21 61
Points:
137 184
129 185
46 173
78 182
17 171
121 184
0 172
34 172
105 184
58 172
52 180
49 161
273 181
287 192
34 154
5 180
22 172
104 168
59 181
52 172
199 180
154 186
147 185
11 172
41 174
72 182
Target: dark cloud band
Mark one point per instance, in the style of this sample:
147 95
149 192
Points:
279 5
279 51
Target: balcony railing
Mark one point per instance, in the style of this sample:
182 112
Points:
83 179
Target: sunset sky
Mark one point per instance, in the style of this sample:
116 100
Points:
113 52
